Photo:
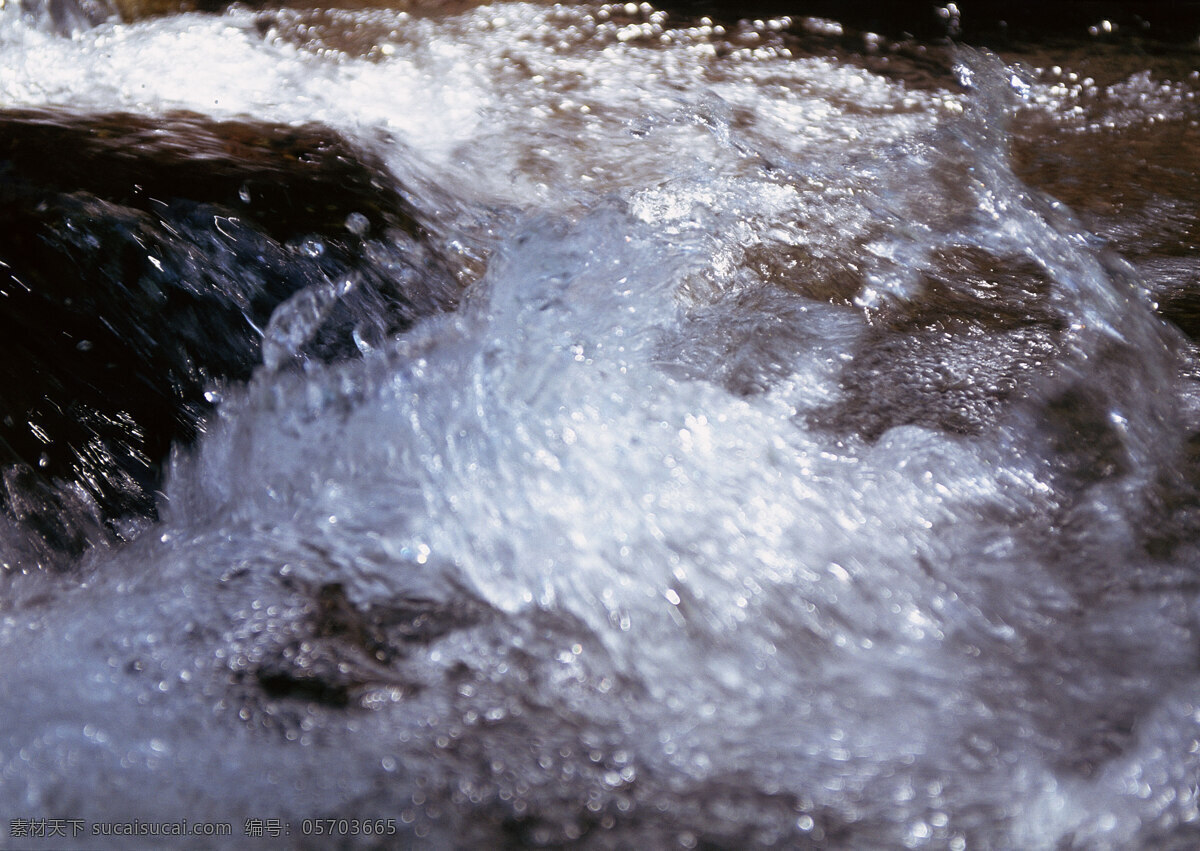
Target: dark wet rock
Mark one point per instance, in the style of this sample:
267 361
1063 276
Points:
952 377
68 16
288 180
980 333
140 263
328 650
1139 197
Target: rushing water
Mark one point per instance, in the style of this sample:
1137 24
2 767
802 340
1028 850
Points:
793 468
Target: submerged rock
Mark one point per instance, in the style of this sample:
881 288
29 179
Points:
141 261
68 16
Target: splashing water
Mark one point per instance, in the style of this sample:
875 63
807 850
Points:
791 471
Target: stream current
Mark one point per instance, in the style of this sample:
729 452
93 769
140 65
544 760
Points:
806 457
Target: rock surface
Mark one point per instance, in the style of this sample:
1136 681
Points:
125 244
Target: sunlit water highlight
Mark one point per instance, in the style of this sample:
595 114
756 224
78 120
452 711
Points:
696 574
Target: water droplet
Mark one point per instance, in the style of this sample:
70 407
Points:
358 224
